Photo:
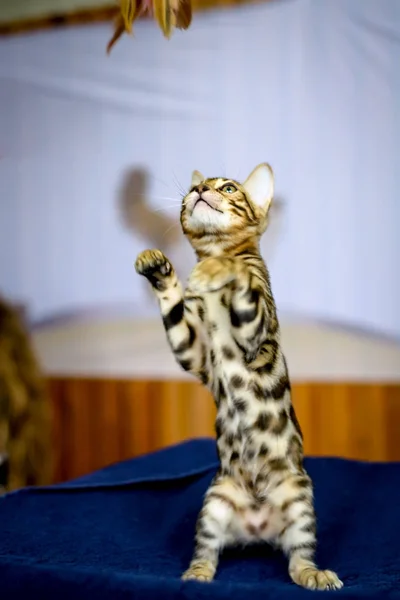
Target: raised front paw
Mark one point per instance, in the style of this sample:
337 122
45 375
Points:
155 266
211 275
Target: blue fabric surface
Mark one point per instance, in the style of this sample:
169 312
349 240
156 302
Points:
127 532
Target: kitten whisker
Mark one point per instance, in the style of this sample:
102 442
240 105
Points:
164 208
156 197
166 184
170 228
179 185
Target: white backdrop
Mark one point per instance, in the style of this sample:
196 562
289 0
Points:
312 86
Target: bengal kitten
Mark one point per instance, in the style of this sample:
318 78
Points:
224 330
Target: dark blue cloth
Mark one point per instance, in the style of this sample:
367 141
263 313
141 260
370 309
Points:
127 532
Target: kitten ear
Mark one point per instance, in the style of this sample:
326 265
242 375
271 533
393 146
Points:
197 178
260 186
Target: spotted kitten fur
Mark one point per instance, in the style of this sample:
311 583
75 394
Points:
224 330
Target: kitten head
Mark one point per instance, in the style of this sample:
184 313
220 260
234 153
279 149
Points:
224 207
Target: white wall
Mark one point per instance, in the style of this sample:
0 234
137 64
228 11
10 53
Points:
311 86
109 346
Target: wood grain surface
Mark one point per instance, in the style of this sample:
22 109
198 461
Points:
100 421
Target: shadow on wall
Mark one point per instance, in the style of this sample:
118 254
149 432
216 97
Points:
159 229
270 239
137 215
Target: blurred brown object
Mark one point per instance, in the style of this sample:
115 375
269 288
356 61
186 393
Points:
169 14
25 424
32 19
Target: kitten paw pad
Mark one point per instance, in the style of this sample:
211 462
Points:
152 261
155 266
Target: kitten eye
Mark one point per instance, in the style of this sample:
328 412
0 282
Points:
229 189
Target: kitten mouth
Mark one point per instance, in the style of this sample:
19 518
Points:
208 204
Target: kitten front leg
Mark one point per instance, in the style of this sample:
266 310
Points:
248 313
180 322
248 308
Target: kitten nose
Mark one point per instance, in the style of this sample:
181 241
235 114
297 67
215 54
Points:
202 188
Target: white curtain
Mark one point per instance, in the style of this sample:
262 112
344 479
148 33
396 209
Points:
311 86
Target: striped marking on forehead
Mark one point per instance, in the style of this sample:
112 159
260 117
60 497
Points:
218 182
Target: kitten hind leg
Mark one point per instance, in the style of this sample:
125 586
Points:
211 534
298 539
306 574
